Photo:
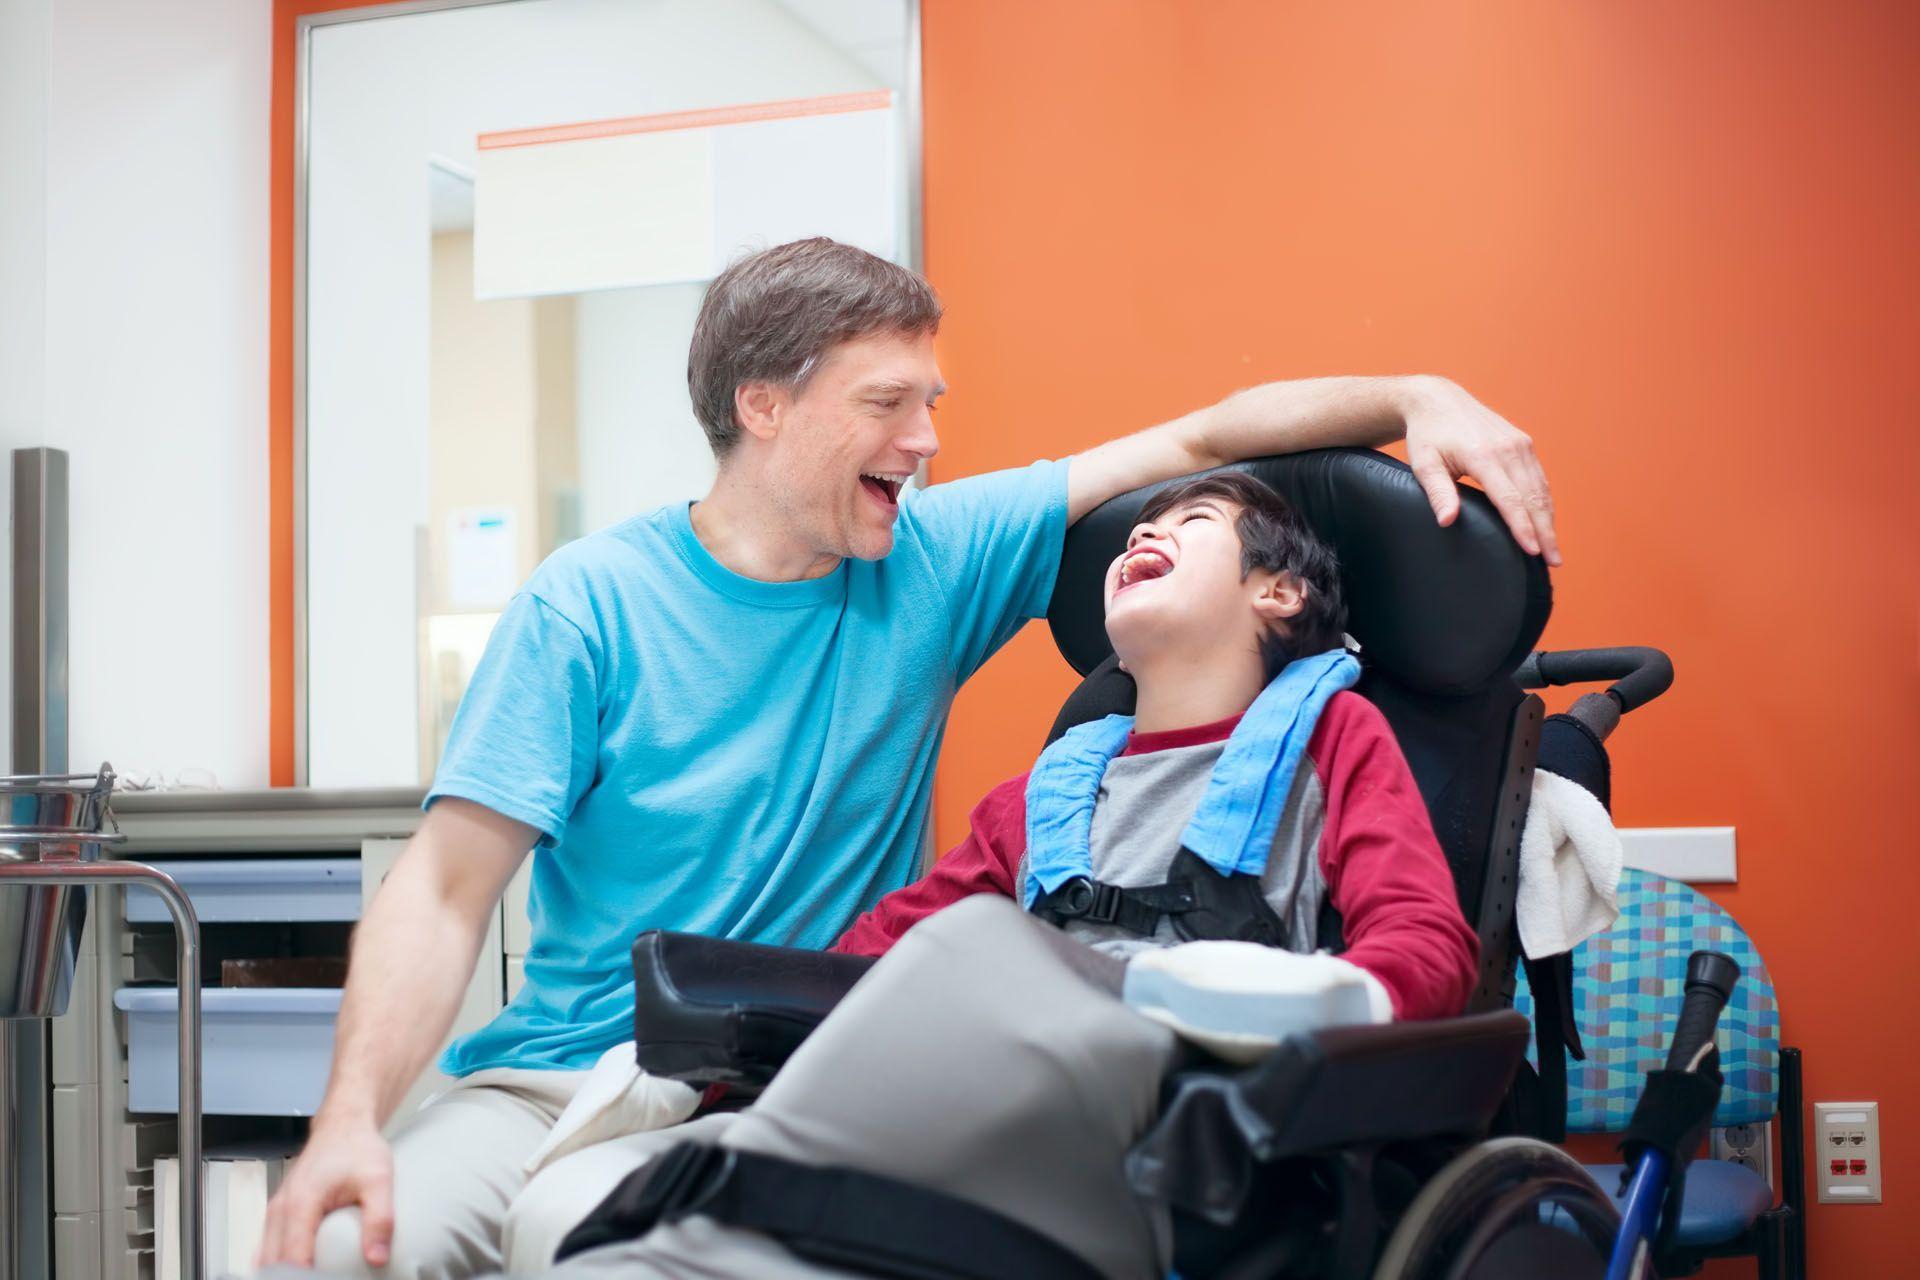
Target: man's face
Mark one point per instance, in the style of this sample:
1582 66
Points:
852 437
1178 587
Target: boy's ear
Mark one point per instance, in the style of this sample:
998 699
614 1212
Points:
1280 599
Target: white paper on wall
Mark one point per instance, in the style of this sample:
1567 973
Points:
672 199
595 214
483 569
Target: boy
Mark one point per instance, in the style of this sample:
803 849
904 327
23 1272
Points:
1220 587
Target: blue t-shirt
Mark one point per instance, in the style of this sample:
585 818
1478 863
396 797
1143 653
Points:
712 754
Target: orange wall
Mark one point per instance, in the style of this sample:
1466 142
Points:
1675 242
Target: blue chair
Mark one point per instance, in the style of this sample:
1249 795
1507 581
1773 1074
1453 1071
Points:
1627 991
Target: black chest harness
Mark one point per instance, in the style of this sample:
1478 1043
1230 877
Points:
1201 903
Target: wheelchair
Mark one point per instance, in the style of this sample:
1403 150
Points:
1396 1151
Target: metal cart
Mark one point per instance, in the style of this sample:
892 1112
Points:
52 829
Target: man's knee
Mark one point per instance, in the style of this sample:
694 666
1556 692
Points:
338 1250
426 1245
561 1195
336 1247
554 1203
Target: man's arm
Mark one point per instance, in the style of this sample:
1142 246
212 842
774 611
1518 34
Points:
1449 434
413 955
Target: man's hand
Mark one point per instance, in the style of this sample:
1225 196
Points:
344 1163
1450 435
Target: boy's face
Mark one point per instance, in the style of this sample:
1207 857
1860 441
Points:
1178 588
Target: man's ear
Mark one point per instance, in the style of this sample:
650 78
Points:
760 408
1282 598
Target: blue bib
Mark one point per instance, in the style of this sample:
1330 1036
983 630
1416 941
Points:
1232 830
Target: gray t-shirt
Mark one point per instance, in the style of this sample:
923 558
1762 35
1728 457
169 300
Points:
1146 801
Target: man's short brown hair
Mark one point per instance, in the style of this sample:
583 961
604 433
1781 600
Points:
773 315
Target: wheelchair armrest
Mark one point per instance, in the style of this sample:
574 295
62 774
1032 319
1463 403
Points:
1317 1093
714 1011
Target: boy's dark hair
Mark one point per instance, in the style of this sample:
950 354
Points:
1273 537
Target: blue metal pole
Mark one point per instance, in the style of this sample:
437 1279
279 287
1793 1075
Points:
1633 1247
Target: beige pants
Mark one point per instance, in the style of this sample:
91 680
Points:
462 1204
988 1056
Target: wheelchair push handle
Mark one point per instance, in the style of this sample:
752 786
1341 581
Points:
1710 981
1639 674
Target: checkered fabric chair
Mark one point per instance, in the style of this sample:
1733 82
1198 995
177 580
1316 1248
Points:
1627 990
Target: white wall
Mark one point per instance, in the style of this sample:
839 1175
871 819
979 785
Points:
23 271
386 95
640 444
138 342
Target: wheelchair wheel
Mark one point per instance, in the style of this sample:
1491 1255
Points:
1512 1207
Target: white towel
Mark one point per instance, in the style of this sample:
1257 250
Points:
1570 859
616 1098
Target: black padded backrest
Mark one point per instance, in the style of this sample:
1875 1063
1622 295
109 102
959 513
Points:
1442 616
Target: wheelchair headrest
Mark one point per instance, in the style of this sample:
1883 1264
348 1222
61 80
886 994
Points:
1436 610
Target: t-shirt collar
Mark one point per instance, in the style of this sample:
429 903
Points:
779 595
1192 736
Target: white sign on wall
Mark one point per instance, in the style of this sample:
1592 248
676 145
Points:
483 569
672 198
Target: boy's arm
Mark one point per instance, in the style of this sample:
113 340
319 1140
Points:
1399 910
984 862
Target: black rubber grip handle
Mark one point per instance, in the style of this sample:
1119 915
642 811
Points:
1640 674
1710 981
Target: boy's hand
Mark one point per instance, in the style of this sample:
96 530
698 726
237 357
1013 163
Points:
1450 435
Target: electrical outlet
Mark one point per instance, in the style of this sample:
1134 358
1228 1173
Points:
1846 1152
1746 1144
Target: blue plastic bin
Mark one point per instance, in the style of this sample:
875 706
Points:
263 1052
259 890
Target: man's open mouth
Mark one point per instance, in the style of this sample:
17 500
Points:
885 488
1142 566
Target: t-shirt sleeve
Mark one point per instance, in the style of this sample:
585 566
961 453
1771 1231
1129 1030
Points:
993 542
984 862
526 735
1399 910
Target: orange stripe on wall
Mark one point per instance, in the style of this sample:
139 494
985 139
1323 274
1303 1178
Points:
280 634
706 118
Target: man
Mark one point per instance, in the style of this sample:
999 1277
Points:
724 718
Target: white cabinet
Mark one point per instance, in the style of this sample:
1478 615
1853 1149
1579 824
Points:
105 1150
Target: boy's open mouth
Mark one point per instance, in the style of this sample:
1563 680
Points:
1142 566
884 488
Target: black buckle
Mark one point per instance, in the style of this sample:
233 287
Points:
684 1181
1083 898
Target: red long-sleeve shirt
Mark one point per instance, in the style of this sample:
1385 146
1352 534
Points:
1377 853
